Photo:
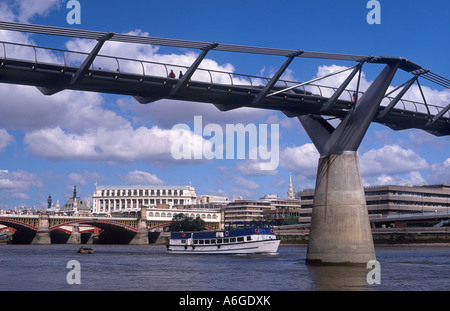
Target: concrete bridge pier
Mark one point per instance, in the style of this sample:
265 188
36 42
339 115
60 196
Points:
75 237
340 229
42 236
141 237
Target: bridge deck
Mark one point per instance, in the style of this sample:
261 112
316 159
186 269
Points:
145 87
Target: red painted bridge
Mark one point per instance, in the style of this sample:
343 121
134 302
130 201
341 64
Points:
119 229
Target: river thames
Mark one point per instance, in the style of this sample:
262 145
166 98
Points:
151 268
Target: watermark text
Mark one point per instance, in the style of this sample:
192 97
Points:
208 142
74 15
74 275
374 15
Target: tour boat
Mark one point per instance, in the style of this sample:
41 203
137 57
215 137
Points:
239 238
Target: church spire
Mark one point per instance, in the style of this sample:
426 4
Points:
291 191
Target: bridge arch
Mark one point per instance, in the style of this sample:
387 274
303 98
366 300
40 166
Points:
113 232
24 232
17 224
104 224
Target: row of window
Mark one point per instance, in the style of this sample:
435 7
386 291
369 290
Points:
163 214
142 192
219 241
409 194
126 203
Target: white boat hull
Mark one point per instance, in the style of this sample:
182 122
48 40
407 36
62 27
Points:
254 247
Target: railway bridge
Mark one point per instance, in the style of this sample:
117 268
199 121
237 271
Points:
43 228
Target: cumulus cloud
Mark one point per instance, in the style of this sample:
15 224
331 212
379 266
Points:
440 172
28 9
253 168
84 178
391 159
413 178
142 178
302 160
5 139
125 144
17 184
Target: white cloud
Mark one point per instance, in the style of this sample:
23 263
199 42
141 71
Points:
253 168
302 160
16 184
245 183
84 178
413 178
5 139
25 108
125 144
142 178
391 159
28 9
439 173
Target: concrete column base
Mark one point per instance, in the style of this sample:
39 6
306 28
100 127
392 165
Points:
42 237
141 237
75 237
340 229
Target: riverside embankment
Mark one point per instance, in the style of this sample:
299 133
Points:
381 236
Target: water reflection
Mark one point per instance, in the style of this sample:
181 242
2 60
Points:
335 278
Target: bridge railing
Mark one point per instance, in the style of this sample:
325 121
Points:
146 68
18 216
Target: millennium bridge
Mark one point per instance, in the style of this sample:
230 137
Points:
340 228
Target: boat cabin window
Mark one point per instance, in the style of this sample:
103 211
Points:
240 239
213 241
233 240
249 238
183 241
206 241
195 242
226 240
219 241
201 242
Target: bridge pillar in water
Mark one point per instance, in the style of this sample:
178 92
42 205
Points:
42 236
75 236
141 237
340 229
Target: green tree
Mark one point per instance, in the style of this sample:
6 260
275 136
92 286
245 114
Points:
290 220
181 222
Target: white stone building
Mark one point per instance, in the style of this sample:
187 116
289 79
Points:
109 199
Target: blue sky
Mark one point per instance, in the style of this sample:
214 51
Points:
50 144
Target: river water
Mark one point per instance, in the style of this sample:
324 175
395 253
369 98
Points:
151 268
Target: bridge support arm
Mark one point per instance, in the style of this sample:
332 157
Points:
261 95
90 59
397 98
79 74
188 75
330 103
439 115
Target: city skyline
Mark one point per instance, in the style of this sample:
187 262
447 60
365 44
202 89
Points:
49 144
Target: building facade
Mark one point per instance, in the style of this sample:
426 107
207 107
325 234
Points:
110 199
396 200
244 210
157 215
